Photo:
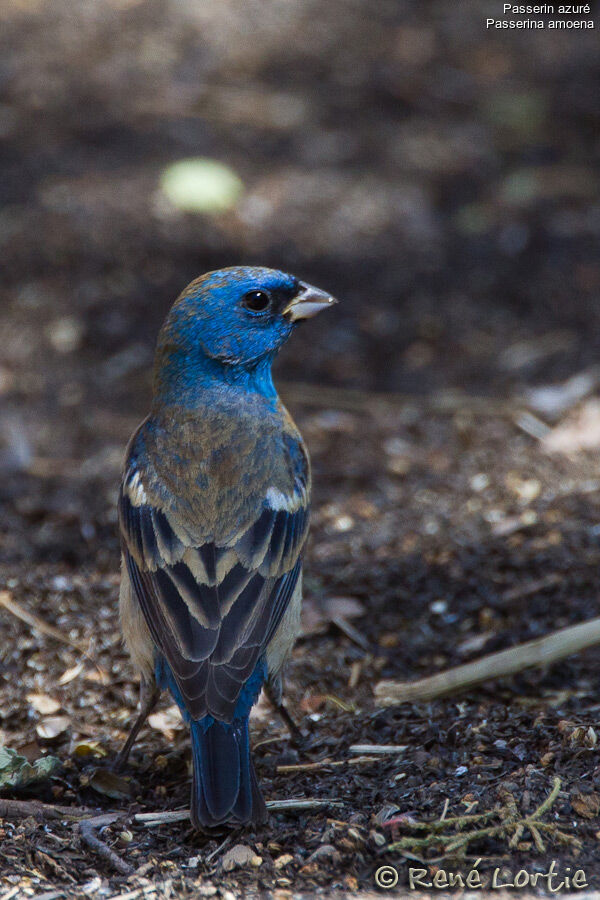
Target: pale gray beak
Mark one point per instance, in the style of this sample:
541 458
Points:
307 303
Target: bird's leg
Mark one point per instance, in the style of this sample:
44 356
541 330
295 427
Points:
149 695
277 704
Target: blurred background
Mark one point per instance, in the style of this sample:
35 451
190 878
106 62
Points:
439 177
441 180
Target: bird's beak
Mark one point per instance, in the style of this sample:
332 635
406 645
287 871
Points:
307 303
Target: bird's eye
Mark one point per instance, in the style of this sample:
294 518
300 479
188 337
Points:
257 301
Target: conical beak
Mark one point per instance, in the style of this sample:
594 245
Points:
307 303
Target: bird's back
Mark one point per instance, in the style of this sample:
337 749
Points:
215 466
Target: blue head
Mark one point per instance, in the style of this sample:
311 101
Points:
228 325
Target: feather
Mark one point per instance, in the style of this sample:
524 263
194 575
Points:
211 607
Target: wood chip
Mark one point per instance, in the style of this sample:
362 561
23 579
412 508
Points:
43 704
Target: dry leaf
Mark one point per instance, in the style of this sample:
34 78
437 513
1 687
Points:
98 676
43 704
52 727
88 748
110 784
474 644
70 674
168 721
581 431
240 855
586 805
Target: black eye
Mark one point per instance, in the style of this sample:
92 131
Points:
256 301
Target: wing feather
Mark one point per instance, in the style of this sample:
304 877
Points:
212 609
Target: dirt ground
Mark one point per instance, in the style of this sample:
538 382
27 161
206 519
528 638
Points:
442 181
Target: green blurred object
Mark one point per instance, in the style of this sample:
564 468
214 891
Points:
523 113
17 772
201 186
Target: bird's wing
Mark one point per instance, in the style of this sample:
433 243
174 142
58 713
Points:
212 609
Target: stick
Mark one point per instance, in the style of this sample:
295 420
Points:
292 805
22 809
182 815
351 632
7 601
10 604
539 652
532 587
379 749
325 764
86 832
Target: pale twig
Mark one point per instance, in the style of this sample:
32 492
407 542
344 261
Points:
532 587
351 632
539 652
379 749
168 817
19 611
10 604
325 764
216 852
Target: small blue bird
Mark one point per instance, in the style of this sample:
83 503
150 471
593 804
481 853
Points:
213 514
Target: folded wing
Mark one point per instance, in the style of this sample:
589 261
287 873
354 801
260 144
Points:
212 609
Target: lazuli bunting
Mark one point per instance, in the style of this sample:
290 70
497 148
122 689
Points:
213 514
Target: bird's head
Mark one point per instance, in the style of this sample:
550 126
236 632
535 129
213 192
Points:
233 320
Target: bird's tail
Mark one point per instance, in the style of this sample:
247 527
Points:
224 787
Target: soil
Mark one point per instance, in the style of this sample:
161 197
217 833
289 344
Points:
441 180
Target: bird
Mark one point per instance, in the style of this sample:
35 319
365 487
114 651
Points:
213 517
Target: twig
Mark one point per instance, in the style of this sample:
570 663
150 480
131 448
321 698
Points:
86 832
22 809
300 805
11 605
351 632
379 749
539 652
325 764
149 820
216 852
532 587
168 817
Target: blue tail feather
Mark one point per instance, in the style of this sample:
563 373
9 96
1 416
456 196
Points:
225 787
